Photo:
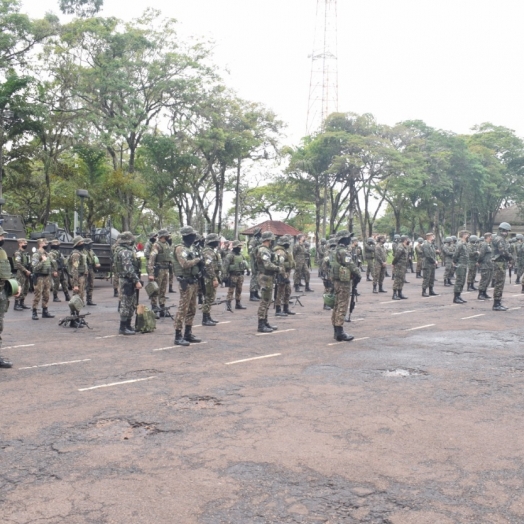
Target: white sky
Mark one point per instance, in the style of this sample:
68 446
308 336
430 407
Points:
451 63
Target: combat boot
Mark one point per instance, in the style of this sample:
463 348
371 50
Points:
124 330
179 339
238 305
206 320
449 282
368 279
4 363
375 288
418 275
341 335
66 295
171 290
273 328
446 283
473 288
481 296
424 292
287 311
90 302
55 298
497 306
18 307
297 289
128 325
395 295
381 289
469 287
401 295
486 296
228 306
115 292
308 289
279 312
252 297
190 337
432 293
458 299
213 320
46 314
517 281
35 314
262 328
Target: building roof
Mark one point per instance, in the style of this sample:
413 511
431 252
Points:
511 214
275 226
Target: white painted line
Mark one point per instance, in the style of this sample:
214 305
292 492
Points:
110 336
420 327
390 302
116 383
178 346
56 364
253 358
274 332
513 308
163 349
517 295
404 312
22 346
473 316
362 338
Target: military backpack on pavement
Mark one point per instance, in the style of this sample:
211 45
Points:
145 319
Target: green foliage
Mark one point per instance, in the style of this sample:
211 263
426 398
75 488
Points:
81 8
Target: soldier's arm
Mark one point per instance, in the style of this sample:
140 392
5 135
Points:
18 263
37 263
210 268
184 261
151 262
128 268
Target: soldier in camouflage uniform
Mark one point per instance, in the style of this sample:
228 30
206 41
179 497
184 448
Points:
92 264
60 278
285 258
254 243
78 267
153 237
519 251
22 263
301 270
396 242
454 243
320 254
212 277
171 262
5 274
233 267
127 266
400 264
43 268
187 269
267 267
420 256
344 270
473 252
460 263
429 264
447 259
380 263
327 276
411 255
501 257
114 249
158 270
485 265
369 255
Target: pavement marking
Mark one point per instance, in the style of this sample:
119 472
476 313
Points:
346 341
389 302
357 319
473 316
420 327
22 346
173 347
362 338
57 364
513 308
274 332
253 358
116 383
110 336
517 295
404 312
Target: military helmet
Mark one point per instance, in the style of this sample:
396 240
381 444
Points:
163 233
512 240
285 239
77 240
332 242
237 243
153 234
520 237
448 240
344 233
505 226
396 236
267 235
371 240
488 234
54 242
404 237
256 231
187 230
323 241
212 237
76 304
152 289
420 240
473 238
127 237
86 241
453 238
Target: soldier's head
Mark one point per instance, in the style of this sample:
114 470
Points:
519 238
381 239
257 232
41 244
237 247
404 239
163 235
344 237
212 240
454 239
504 229
286 241
127 238
447 240
78 241
430 237
371 241
188 234
55 244
488 237
354 241
396 237
153 236
267 237
323 242
22 243
473 239
332 243
464 235
420 240
301 238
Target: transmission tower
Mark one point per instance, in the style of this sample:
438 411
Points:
323 85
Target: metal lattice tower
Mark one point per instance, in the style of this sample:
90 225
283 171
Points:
323 86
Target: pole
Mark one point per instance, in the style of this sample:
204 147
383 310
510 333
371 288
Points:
81 215
237 197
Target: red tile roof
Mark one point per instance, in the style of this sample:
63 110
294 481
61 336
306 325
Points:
275 226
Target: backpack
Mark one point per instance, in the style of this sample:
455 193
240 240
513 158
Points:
145 319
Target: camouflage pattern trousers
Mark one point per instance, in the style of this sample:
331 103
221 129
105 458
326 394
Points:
128 302
328 285
460 279
283 291
485 278
161 279
186 306
519 268
23 284
342 294
42 289
399 275
301 272
428 276
499 277
419 265
56 281
253 284
116 283
209 296
370 269
235 286
472 273
448 268
90 283
379 272
4 306
82 287
265 283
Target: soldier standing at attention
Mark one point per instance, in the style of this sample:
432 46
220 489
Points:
473 252
343 270
369 255
114 249
320 254
327 276
186 267
92 264
212 276
158 270
58 260
380 261
485 265
127 266
22 263
519 250
285 259
78 267
307 265
254 243
400 264
501 258
299 255
447 254
5 274
396 242
234 266
460 262
429 264
153 236
267 269
453 249
42 270
420 256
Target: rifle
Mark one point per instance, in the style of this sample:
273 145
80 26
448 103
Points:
78 319
353 301
510 270
296 298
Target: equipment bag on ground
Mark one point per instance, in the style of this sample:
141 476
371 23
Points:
145 319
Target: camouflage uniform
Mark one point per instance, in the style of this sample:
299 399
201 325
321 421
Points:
212 274
429 263
320 254
394 246
369 255
460 261
5 274
447 257
127 266
233 266
299 254
42 270
267 266
400 263
158 264
473 254
420 258
285 259
485 265
78 270
501 257
379 270
60 277
114 249
254 243
519 250
22 263
91 261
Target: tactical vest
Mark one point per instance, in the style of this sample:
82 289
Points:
45 267
217 262
179 270
334 264
260 264
499 243
287 263
238 264
5 266
162 257
119 267
82 265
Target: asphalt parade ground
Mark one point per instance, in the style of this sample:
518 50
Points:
416 421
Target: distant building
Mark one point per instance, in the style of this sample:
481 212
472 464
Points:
277 227
513 215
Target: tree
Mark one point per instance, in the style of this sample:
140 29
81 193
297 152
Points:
81 8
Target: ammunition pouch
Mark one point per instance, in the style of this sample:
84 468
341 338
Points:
344 274
129 288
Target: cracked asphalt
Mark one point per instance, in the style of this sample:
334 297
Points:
417 421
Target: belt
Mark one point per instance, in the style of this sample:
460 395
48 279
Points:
269 273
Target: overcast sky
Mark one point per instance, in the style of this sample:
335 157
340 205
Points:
451 63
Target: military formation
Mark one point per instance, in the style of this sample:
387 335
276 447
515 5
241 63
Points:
201 267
